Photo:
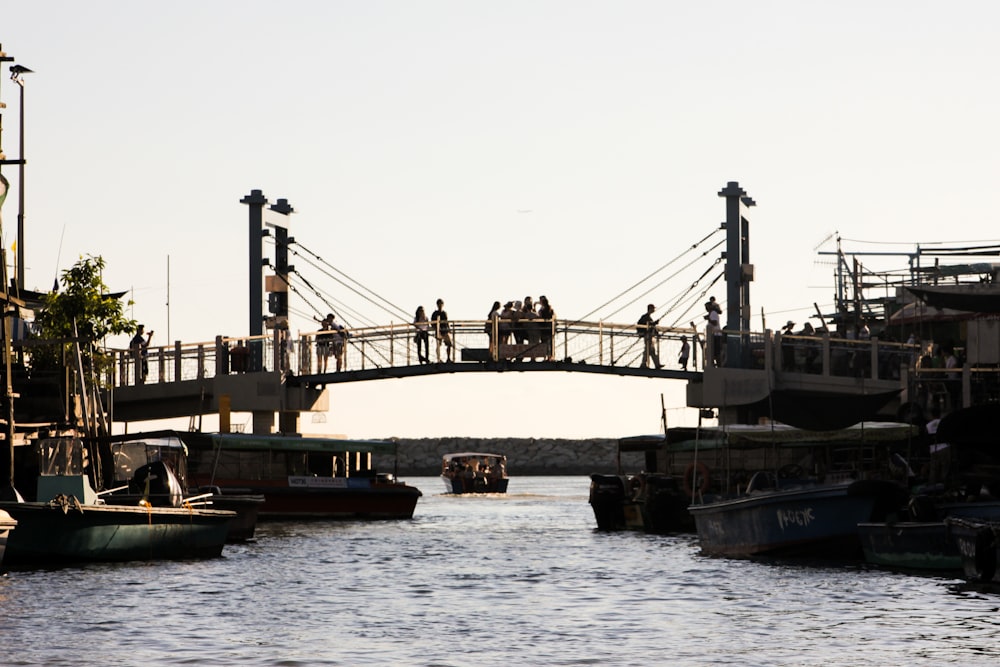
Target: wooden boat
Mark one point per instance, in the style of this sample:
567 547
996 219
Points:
69 522
474 472
809 501
301 477
152 467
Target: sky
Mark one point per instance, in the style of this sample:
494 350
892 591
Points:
480 151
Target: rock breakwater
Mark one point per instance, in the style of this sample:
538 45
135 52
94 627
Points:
525 456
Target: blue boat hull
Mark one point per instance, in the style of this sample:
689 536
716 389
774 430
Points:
819 521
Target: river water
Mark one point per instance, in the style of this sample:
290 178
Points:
521 579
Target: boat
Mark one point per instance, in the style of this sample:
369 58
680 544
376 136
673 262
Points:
809 498
910 545
7 524
68 522
648 500
152 468
301 477
474 472
978 543
967 488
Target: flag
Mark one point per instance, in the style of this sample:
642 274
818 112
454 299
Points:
4 186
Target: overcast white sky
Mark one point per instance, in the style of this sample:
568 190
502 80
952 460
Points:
479 151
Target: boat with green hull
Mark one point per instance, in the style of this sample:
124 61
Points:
67 522
65 531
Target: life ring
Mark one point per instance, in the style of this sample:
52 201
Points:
700 472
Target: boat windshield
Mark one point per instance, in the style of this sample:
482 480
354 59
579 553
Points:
62 456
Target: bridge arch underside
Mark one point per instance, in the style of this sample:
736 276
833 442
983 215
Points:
270 392
503 366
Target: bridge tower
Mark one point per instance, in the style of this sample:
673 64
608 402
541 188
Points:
739 270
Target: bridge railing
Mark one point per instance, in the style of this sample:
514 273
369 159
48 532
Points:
394 345
192 361
598 343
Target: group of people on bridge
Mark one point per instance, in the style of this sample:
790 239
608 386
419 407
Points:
516 322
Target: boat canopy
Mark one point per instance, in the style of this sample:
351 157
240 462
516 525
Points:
465 455
974 298
641 443
748 436
289 443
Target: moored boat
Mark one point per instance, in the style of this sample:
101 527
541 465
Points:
301 477
7 524
910 545
152 468
809 498
66 531
474 472
648 500
978 543
68 521
819 521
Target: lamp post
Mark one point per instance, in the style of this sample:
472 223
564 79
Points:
16 75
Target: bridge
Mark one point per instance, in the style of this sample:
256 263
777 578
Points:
742 374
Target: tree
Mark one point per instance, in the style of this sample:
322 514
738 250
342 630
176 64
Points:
84 300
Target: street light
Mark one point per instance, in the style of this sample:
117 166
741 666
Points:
16 74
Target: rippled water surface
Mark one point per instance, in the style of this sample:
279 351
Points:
498 580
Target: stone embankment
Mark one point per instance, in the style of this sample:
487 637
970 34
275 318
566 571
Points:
525 456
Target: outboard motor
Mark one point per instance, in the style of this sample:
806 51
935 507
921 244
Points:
163 487
607 498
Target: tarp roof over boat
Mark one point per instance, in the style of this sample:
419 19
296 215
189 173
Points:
686 439
466 455
976 298
287 443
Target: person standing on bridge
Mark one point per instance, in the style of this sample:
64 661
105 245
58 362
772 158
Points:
324 342
441 331
422 336
339 342
647 325
140 353
682 358
548 315
493 325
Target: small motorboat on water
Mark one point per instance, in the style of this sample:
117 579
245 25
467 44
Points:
68 521
152 467
474 472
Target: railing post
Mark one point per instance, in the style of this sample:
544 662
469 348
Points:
600 342
201 362
122 368
178 363
825 352
392 350
220 356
